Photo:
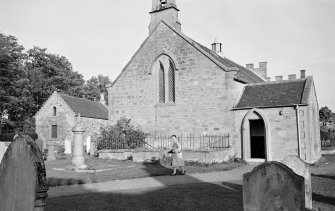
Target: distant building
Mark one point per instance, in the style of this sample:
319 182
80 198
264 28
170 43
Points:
174 85
57 117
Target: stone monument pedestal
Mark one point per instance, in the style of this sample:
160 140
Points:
78 161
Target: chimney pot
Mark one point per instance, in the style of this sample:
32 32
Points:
250 66
292 76
302 73
279 78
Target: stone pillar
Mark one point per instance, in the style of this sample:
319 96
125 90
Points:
78 154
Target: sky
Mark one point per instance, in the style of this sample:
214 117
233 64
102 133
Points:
100 37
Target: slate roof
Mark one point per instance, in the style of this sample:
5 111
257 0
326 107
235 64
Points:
243 74
272 94
86 108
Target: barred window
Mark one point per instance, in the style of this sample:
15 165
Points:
171 83
161 84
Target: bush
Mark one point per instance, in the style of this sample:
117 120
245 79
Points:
122 135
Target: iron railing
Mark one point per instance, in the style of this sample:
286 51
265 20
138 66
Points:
188 142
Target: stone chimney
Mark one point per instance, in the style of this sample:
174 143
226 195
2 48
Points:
102 98
302 73
278 78
164 10
217 47
292 76
261 70
268 79
250 66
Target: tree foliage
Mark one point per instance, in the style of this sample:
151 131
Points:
28 78
327 119
50 72
95 86
15 97
122 135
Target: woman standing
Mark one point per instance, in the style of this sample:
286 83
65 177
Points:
177 156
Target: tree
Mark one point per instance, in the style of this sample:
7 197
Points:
50 72
327 118
95 86
15 96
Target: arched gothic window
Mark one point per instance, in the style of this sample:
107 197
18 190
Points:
54 111
165 70
161 83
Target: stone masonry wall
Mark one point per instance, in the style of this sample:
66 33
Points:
205 93
63 120
314 127
283 128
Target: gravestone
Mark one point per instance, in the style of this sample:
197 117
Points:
301 168
88 144
67 143
273 186
3 148
51 152
23 182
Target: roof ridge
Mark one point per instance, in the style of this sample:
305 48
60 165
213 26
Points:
84 99
276 82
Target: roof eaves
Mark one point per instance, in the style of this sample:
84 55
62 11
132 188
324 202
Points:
274 106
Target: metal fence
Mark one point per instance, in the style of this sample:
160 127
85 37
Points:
188 142
326 144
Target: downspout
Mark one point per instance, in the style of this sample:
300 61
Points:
298 129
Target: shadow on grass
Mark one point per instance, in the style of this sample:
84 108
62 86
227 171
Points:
323 199
324 176
199 196
182 192
53 182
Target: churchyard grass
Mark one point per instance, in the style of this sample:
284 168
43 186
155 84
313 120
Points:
197 196
109 169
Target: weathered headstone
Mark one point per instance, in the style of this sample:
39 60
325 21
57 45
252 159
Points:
23 182
301 168
68 147
51 152
88 144
3 148
273 186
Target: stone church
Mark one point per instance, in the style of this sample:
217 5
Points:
175 85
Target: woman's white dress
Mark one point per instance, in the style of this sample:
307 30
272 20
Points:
177 156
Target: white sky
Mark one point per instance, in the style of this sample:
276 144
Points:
100 37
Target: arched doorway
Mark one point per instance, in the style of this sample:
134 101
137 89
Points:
256 143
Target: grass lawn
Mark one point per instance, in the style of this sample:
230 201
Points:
197 196
117 170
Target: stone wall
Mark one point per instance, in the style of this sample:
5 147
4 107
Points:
314 127
284 132
65 120
204 92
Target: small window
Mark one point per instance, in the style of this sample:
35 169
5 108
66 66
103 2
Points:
55 111
53 131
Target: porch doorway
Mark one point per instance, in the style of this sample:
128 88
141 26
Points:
257 139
